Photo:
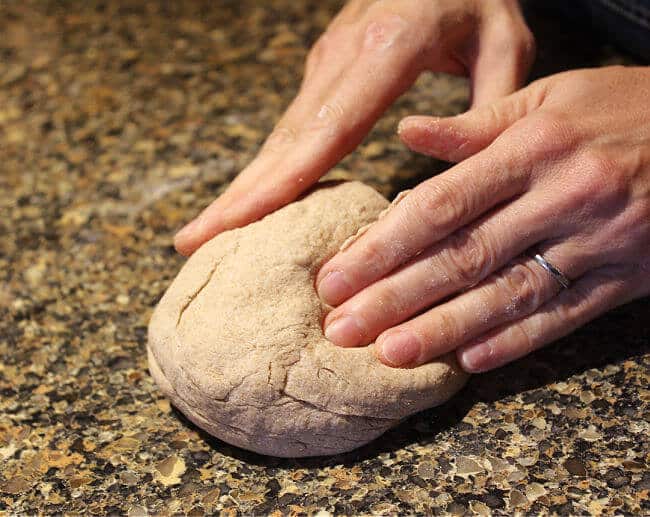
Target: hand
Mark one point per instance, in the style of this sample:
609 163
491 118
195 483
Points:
371 53
561 167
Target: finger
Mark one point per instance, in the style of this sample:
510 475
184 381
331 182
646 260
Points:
429 213
258 189
325 122
351 13
457 138
461 260
508 295
503 59
589 297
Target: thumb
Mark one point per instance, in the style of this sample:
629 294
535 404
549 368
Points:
455 138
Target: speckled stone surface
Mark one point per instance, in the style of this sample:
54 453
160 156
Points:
119 121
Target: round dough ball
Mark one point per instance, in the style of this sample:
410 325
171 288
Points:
236 342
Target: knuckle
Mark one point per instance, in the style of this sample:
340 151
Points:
391 299
437 204
603 171
470 256
507 43
447 329
330 114
523 336
280 138
570 308
547 133
383 30
521 35
598 177
578 83
512 37
374 260
523 288
524 47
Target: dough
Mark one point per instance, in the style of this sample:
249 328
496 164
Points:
236 342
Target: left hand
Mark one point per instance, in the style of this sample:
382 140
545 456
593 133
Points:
373 50
561 167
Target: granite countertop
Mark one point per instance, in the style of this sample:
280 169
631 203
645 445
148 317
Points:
118 122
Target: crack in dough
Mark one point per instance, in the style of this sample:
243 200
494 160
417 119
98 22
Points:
193 296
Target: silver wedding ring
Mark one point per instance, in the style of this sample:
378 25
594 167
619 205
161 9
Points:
553 271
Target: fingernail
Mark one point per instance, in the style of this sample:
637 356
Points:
419 122
333 288
187 230
404 123
399 348
474 357
344 331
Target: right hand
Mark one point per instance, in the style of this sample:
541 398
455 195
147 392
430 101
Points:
371 53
